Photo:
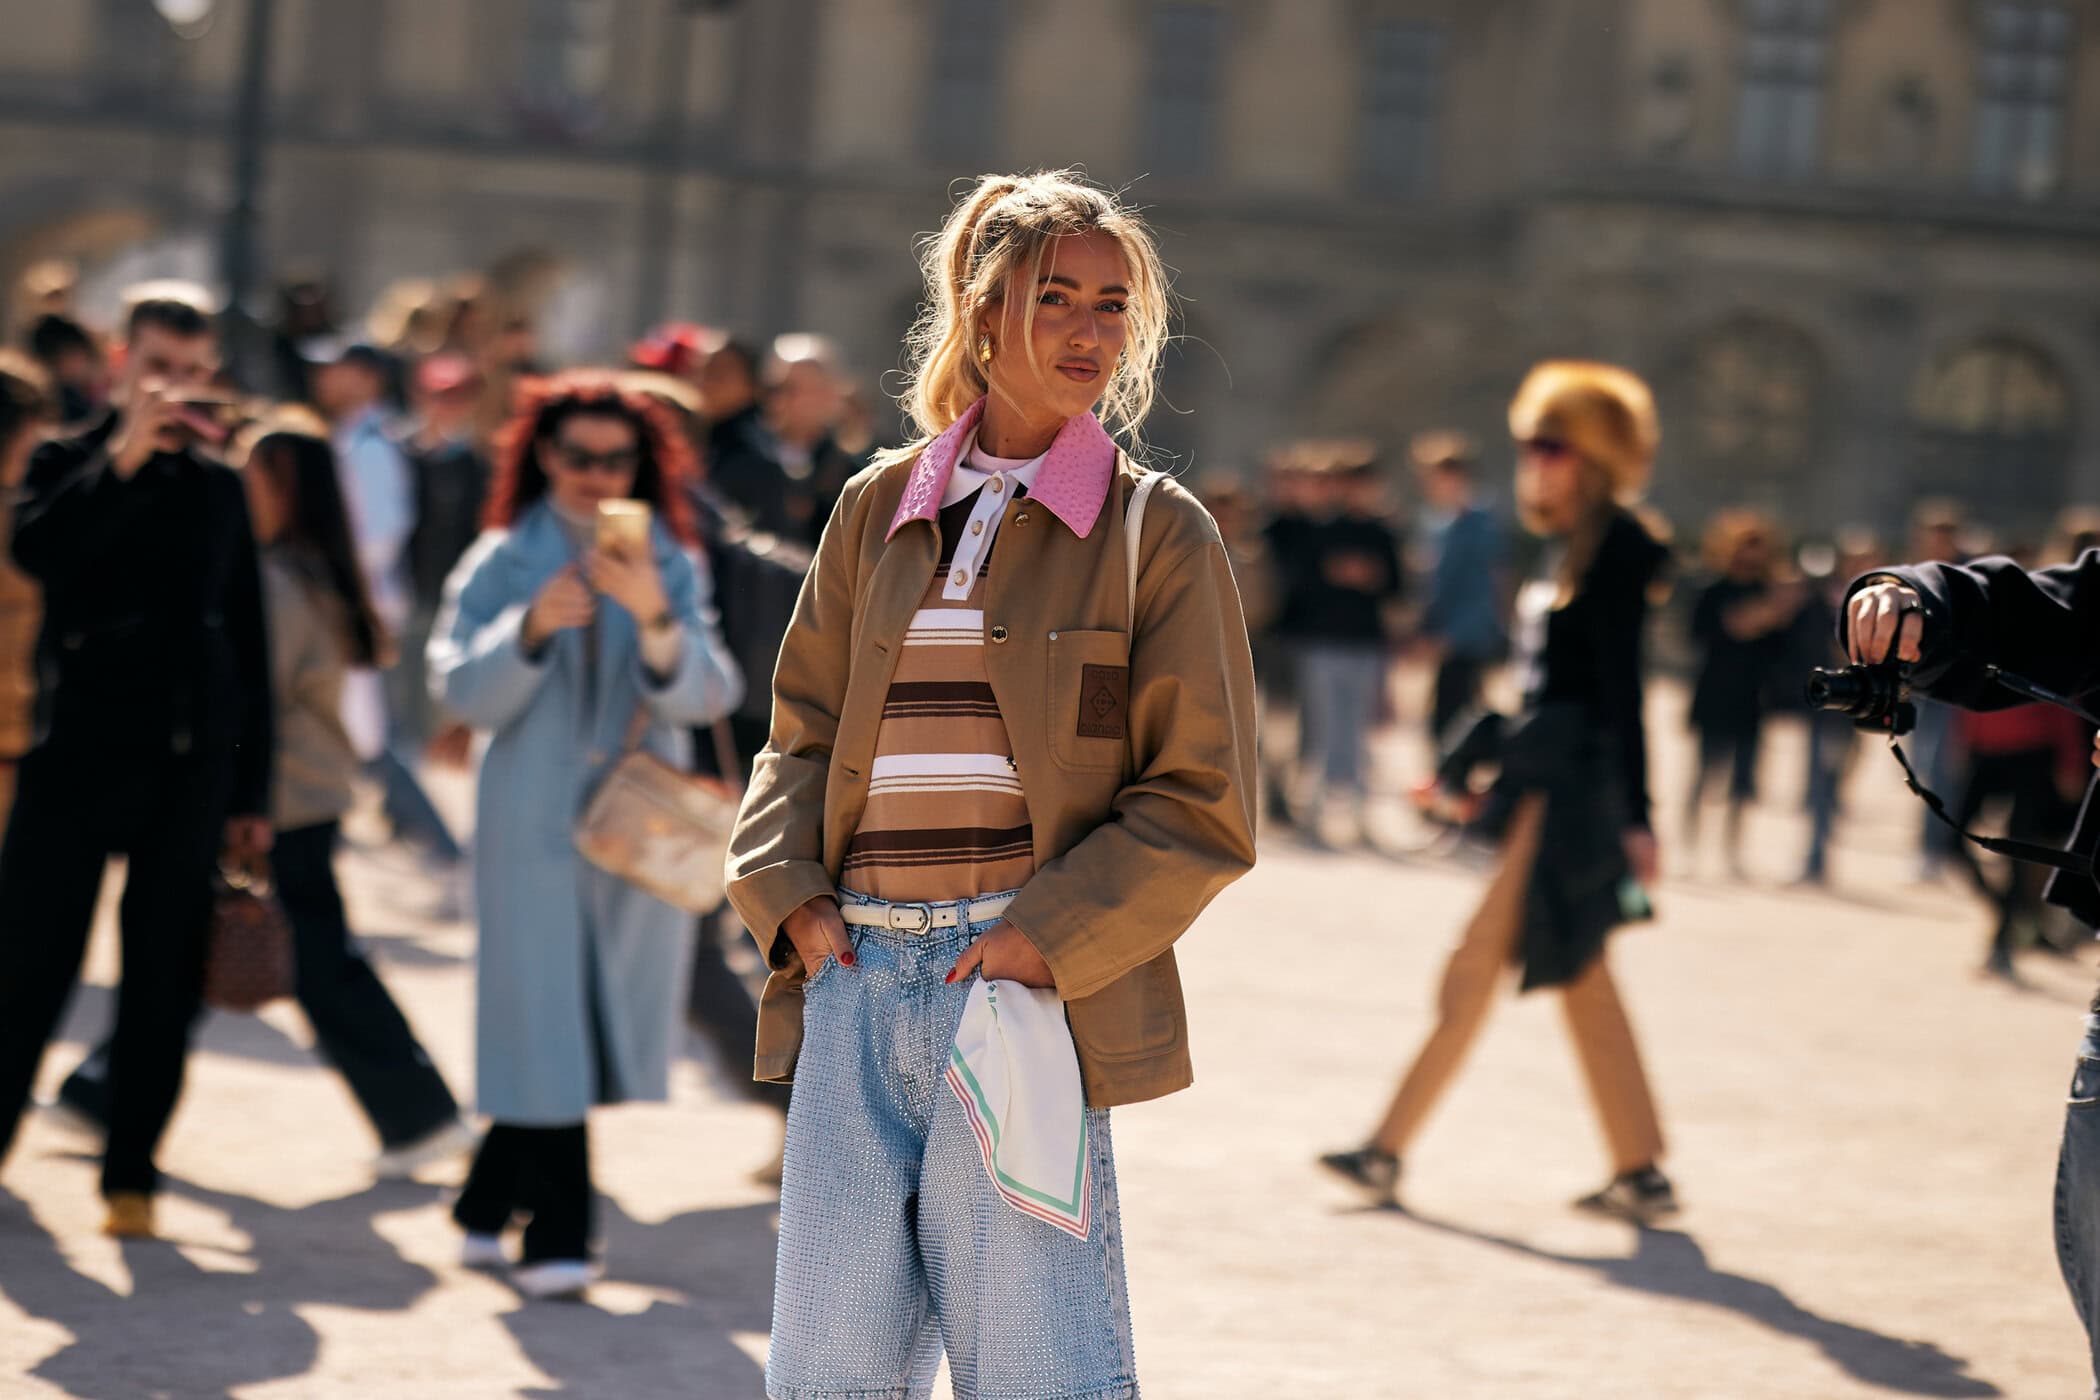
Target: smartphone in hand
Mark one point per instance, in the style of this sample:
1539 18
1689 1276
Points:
623 528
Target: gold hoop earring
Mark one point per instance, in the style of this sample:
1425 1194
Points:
984 347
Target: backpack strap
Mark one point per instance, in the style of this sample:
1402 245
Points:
1133 533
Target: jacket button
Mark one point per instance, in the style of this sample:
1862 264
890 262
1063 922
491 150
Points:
998 634
1053 636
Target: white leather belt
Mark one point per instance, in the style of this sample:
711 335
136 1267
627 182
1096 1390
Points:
918 918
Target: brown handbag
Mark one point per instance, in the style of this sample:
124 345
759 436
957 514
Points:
660 828
248 962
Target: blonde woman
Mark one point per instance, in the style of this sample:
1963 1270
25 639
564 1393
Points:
1573 796
985 763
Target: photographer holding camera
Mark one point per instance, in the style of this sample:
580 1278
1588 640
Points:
1986 636
153 731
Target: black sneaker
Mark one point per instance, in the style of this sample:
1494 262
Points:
1376 1171
1643 1196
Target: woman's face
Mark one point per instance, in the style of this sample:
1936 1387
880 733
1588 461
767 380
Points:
1552 492
591 458
1061 368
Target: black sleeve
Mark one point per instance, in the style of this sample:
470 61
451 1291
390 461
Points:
1389 557
1626 570
74 507
1709 620
247 629
2043 625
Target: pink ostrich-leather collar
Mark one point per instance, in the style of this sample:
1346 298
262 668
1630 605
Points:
1072 483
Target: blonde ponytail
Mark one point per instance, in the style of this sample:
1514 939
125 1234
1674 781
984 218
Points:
995 240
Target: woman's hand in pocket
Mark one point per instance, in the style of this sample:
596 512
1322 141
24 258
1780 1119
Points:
818 933
1004 954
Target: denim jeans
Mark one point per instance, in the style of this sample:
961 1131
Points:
893 1243
1338 696
1830 740
2078 1191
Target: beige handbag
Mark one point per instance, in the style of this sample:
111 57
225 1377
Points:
660 828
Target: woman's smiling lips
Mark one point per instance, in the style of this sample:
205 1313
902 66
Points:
1084 371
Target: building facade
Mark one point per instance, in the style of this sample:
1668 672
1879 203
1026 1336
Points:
1855 243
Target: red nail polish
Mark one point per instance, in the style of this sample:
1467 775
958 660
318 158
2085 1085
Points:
846 958
950 977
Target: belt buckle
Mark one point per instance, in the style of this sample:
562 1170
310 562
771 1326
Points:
924 911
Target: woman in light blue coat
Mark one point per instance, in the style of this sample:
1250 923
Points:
553 647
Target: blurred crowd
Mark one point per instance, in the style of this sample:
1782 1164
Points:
381 455
374 454
1358 574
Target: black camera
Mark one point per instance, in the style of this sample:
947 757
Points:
1876 697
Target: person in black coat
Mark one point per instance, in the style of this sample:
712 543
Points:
1572 804
1954 621
153 733
1740 625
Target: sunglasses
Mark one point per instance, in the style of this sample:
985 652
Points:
1551 449
618 462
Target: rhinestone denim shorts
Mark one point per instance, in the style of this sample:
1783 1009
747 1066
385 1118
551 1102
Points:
893 1244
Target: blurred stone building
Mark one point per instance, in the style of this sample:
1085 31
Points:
1855 242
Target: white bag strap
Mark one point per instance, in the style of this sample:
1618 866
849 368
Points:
1133 532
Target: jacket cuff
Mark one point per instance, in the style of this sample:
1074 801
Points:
1077 972
765 898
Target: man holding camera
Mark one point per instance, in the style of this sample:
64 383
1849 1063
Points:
1953 624
153 733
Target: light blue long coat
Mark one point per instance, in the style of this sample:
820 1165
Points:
555 930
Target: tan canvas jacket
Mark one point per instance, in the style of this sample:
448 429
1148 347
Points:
1131 840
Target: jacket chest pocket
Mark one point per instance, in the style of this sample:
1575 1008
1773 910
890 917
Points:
1089 701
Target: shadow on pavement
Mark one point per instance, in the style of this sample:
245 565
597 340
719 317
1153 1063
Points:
93 1012
193 1332
188 1331
1671 1264
719 1263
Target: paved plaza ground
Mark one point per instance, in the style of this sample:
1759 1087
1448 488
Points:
1863 1130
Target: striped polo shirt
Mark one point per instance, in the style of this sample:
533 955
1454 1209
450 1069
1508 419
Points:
945 818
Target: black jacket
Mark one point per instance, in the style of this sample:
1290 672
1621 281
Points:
2042 625
1314 607
452 484
742 468
1579 743
1592 655
153 644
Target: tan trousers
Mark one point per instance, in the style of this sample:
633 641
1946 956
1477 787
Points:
1611 1062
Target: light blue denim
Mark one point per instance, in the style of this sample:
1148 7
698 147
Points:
1338 696
2078 1190
893 1244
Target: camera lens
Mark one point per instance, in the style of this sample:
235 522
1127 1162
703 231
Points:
1846 691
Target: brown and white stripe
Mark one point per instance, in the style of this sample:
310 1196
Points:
946 817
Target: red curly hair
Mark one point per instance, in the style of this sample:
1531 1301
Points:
668 465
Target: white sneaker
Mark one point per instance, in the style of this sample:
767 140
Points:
553 1278
483 1252
400 1163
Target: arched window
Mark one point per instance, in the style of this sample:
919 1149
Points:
1993 421
1752 411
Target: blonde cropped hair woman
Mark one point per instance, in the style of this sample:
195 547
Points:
1571 805
996 753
